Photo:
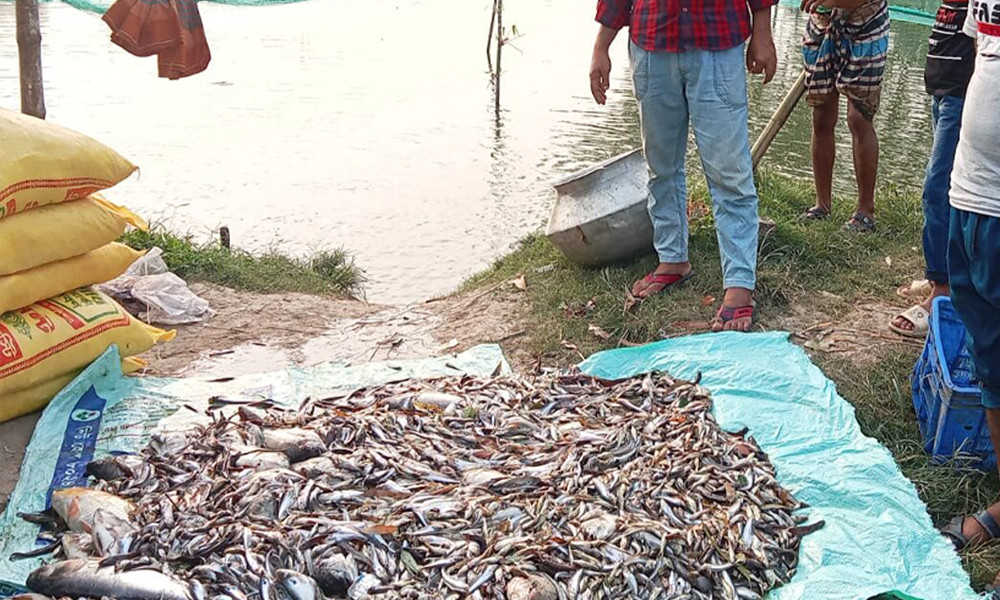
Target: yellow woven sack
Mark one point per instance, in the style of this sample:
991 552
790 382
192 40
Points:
42 163
61 231
96 266
61 335
36 398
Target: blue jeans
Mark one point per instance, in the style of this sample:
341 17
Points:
946 112
710 90
975 290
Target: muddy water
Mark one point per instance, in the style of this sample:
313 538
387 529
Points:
369 124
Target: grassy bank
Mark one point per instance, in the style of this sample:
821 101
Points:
808 274
331 272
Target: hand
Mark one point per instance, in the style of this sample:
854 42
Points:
600 75
761 56
809 6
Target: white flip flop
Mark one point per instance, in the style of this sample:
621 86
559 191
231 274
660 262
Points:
919 288
916 315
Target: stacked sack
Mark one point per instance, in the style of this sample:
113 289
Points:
57 236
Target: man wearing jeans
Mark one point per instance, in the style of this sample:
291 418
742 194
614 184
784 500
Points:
974 250
688 64
951 57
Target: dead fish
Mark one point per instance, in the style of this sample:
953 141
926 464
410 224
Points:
83 578
362 587
77 507
112 535
316 467
257 459
77 545
48 548
298 586
535 587
169 443
113 468
600 527
297 444
335 574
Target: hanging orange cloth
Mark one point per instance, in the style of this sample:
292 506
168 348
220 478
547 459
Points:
171 29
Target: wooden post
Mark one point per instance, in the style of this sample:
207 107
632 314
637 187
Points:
29 45
500 41
778 120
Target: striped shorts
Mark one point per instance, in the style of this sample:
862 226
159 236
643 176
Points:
845 52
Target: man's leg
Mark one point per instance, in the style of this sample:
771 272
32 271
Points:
663 113
865 146
717 97
947 118
974 244
824 149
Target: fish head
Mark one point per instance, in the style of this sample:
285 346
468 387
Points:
297 585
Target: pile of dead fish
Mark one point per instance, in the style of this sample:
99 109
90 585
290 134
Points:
561 486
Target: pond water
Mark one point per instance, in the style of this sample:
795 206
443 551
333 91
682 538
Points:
369 124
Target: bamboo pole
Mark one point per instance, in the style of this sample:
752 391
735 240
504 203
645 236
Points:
778 120
29 45
500 42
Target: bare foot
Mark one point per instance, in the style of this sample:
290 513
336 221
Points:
937 289
735 298
644 289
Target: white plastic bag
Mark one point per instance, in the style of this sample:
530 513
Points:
156 295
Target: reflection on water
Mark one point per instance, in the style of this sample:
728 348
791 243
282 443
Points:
368 124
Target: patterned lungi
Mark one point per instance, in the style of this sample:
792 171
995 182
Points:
845 52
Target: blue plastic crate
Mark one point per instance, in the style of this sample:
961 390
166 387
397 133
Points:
946 396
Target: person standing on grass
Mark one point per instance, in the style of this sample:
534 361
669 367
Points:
688 64
845 48
951 57
974 241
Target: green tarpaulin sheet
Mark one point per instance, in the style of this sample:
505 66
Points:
878 536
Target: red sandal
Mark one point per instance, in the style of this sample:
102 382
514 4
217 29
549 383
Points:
729 313
667 280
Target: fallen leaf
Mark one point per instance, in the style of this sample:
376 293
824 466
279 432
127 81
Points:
519 282
594 329
708 300
573 348
631 301
628 344
888 260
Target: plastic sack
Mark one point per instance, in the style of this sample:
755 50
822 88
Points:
42 163
878 536
60 231
102 413
62 335
36 398
148 289
97 266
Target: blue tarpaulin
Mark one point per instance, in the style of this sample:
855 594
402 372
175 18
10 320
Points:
878 536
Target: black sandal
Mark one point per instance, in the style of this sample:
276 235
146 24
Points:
953 530
860 223
816 213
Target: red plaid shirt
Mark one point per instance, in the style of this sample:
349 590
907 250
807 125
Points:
682 25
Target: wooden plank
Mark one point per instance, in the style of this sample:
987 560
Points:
29 45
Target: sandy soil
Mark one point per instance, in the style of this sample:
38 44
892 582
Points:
259 332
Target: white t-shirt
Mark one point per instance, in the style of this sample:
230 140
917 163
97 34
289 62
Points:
975 179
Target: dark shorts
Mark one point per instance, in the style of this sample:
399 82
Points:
974 265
